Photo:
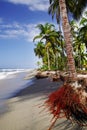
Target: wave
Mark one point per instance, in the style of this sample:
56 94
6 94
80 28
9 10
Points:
5 73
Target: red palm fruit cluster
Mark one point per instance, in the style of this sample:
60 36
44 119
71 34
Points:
65 102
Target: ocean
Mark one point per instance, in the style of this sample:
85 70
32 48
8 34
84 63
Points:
4 73
12 80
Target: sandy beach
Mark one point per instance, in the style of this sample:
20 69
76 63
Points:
23 111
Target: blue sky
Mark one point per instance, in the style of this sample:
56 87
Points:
18 19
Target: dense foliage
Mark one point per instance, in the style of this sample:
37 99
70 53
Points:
70 100
51 47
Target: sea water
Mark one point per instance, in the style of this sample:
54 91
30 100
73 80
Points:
4 73
12 80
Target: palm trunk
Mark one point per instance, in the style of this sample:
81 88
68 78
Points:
48 58
56 60
54 57
68 41
66 101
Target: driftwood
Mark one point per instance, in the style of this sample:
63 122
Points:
51 74
55 77
40 75
81 78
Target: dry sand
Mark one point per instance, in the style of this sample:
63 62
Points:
23 111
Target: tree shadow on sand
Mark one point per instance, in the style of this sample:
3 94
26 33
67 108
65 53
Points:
37 89
67 125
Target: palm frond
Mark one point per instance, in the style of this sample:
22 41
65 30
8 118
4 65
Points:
79 7
83 21
37 37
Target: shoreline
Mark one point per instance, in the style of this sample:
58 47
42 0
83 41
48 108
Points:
39 87
14 83
22 110
15 93
25 111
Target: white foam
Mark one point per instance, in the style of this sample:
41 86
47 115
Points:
6 73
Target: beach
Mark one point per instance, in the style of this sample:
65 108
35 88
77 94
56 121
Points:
25 109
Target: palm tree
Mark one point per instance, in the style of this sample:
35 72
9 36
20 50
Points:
39 49
79 50
68 99
54 9
79 42
83 29
47 33
64 7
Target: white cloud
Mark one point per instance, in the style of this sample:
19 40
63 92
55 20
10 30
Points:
20 31
17 31
40 5
32 34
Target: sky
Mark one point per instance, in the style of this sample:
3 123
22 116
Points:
18 19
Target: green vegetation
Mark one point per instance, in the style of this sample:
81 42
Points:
66 50
50 47
51 44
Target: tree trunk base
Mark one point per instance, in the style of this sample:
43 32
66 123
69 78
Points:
69 101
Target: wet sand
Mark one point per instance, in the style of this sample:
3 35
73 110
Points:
23 111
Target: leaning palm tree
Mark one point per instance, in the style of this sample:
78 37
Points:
47 33
70 99
39 49
62 8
